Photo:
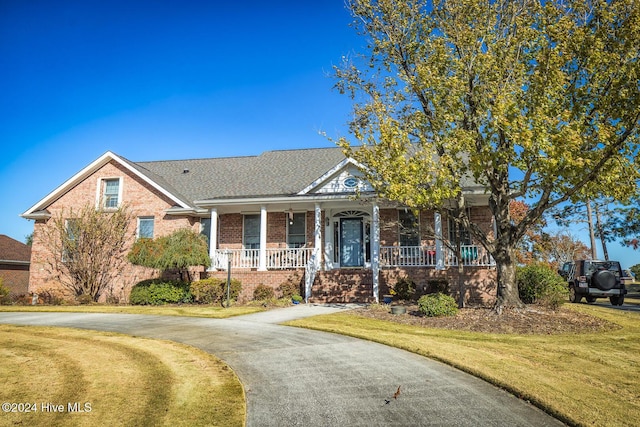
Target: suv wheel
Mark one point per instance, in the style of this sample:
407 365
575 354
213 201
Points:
617 299
573 295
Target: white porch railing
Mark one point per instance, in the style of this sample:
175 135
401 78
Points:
472 255
390 256
425 256
240 258
277 258
407 256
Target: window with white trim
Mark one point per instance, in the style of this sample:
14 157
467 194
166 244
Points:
145 227
251 232
465 236
297 230
110 193
408 228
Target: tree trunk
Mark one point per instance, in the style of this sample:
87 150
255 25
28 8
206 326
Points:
507 292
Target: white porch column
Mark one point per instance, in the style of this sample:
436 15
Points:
439 251
317 234
262 255
375 251
213 236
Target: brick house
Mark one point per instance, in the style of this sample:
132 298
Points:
15 258
281 215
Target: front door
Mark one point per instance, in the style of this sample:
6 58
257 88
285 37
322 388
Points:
351 242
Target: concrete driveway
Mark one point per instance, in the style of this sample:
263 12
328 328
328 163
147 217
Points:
298 377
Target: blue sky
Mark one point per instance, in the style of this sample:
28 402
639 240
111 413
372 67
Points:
158 80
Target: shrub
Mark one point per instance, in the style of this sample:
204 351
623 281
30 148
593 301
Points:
438 304
214 290
290 287
555 295
296 298
159 292
539 284
112 298
84 299
50 297
378 307
4 294
20 299
180 250
263 293
404 289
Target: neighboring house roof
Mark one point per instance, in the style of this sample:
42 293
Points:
13 251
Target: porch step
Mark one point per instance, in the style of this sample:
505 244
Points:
343 286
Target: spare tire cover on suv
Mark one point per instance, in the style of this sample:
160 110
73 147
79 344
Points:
603 280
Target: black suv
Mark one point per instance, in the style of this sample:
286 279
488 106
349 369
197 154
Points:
594 279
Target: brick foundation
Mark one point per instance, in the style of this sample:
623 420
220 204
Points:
479 283
250 279
343 286
356 285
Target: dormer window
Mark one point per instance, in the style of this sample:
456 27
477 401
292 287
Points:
111 193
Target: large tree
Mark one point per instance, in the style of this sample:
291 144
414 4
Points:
87 247
535 100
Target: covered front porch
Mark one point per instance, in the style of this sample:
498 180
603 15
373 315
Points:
314 236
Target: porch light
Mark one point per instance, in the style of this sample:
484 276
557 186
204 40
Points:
290 216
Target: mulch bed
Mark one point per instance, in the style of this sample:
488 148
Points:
529 320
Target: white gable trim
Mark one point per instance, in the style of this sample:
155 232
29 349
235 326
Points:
86 172
329 174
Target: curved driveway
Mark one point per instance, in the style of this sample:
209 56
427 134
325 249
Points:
298 377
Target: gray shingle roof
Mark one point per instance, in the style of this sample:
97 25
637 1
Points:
272 173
